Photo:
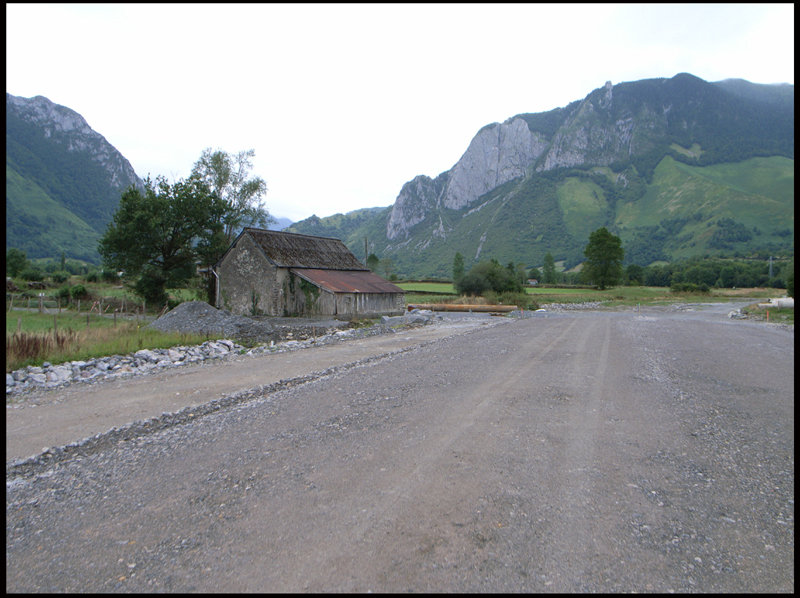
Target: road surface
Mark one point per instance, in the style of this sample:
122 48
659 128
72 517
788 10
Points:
583 452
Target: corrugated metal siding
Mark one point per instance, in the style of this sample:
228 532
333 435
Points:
338 281
289 250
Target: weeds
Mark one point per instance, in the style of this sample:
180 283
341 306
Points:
34 348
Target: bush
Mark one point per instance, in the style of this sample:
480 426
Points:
688 287
92 276
109 276
60 276
16 261
31 274
78 292
63 293
151 287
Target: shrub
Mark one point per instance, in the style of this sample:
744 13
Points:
60 276
151 287
109 276
33 274
64 292
92 276
16 261
78 292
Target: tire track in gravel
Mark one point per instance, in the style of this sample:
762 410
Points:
403 495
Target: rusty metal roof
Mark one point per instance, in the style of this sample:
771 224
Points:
290 250
338 281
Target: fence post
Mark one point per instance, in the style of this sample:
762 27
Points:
87 321
115 318
19 324
59 305
11 304
55 326
41 302
79 307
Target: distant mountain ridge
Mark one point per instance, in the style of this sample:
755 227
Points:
63 180
537 183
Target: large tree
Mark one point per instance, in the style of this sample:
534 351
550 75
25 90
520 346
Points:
458 266
604 255
549 269
16 261
158 235
227 176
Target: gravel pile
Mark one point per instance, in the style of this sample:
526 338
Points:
198 317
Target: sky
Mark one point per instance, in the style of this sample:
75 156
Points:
345 103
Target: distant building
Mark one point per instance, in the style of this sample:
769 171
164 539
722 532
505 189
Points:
533 281
285 274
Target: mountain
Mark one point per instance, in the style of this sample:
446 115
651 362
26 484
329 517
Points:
63 180
280 223
676 167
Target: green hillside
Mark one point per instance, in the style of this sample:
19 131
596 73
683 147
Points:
41 226
686 210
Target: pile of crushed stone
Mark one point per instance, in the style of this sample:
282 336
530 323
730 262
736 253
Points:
198 317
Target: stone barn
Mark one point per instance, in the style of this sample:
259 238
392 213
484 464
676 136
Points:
276 273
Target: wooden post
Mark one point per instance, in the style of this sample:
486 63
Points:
59 304
11 304
55 325
19 324
41 302
79 307
115 318
87 321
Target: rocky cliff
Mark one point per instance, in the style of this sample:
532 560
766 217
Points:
67 127
613 126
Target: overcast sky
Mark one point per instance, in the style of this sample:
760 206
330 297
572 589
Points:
345 103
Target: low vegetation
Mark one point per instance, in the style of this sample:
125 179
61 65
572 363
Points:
32 338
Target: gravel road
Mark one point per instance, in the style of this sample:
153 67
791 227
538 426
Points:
581 452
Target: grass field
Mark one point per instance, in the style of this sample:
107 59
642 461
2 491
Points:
33 338
613 296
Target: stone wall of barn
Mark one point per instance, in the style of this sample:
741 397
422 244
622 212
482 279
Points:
248 283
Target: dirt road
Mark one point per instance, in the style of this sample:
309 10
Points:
584 452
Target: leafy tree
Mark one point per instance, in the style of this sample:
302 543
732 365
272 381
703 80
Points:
78 292
458 266
372 262
549 269
635 274
226 175
159 234
31 273
60 276
488 276
604 255
16 261
386 266
535 274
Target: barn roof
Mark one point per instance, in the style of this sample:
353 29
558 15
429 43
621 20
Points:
339 281
291 250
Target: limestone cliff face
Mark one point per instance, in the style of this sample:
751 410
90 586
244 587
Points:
497 154
417 197
66 126
594 134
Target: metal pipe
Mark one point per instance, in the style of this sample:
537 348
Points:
459 307
216 294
